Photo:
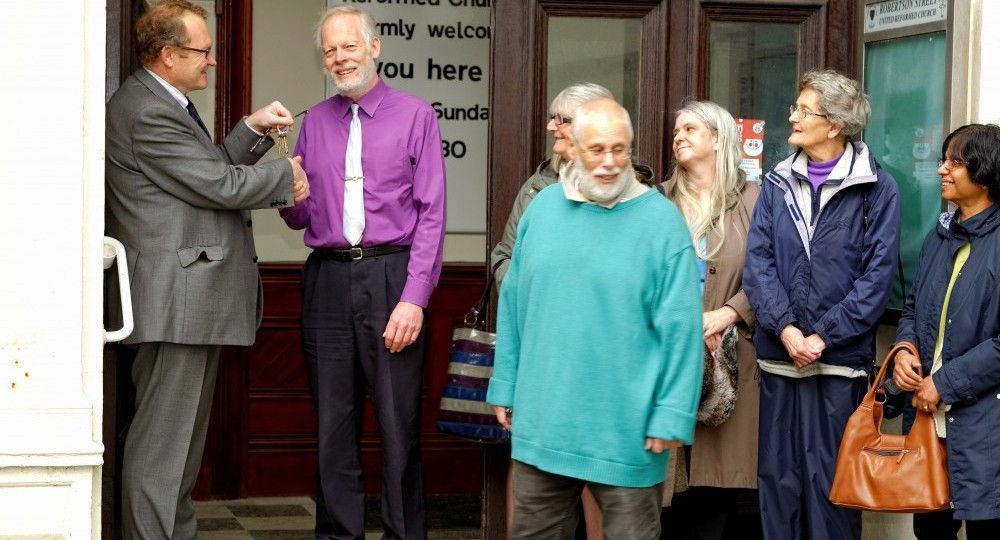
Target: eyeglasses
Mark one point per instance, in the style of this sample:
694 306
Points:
950 164
560 119
802 112
205 52
598 152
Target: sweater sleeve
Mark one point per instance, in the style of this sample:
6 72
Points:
677 321
508 344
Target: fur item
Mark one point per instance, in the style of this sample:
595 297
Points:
720 384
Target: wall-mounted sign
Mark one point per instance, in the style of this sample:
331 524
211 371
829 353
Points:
752 145
903 13
440 50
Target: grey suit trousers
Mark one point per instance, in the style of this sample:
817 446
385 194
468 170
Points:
174 387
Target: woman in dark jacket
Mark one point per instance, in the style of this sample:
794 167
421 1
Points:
821 258
952 316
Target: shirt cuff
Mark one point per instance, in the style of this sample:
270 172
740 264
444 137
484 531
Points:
416 292
259 134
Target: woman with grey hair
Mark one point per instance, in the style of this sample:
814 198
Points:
716 200
821 260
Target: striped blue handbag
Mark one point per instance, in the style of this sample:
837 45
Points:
464 411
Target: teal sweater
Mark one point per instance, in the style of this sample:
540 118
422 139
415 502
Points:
599 341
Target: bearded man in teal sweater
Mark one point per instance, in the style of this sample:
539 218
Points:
599 344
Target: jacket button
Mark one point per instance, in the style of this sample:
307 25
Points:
951 419
254 258
711 269
249 223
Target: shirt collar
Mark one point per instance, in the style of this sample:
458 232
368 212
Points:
177 94
369 103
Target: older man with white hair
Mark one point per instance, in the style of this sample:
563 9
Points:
598 361
376 226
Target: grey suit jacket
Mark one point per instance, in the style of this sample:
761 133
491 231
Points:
178 204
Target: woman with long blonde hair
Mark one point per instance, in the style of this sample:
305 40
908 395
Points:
717 201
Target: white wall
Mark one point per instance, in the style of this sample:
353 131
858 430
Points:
288 68
50 295
986 106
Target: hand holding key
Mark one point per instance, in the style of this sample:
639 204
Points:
271 117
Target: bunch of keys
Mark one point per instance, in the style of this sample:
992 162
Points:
281 143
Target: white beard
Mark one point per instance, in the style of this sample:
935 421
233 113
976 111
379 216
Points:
593 190
365 76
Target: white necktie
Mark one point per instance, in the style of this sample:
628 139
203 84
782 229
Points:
354 188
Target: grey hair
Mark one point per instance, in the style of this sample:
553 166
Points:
842 99
577 94
369 29
583 116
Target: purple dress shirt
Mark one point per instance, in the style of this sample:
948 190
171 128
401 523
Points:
404 181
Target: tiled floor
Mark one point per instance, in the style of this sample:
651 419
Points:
292 518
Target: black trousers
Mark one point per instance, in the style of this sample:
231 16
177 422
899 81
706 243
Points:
942 526
345 308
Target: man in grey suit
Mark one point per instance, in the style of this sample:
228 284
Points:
178 203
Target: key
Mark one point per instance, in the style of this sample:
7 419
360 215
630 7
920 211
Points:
282 142
259 141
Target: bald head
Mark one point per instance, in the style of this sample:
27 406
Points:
602 114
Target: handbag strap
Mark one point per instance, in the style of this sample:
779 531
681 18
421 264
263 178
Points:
474 318
890 357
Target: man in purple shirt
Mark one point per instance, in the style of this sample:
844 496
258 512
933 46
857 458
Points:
375 221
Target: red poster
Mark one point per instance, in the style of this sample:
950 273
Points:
752 146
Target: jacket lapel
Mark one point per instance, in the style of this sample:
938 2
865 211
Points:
159 91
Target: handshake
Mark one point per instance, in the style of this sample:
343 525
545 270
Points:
300 182
275 117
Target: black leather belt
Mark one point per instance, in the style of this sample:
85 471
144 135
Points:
357 253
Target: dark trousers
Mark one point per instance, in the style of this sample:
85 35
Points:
801 424
345 308
711 513
174 385
943 526
546 507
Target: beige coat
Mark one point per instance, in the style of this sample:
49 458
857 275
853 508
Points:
726 455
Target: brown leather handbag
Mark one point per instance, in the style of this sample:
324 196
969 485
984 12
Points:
890 473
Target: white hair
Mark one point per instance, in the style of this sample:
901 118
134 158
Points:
369 28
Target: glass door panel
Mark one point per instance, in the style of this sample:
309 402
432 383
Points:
599 50
752 72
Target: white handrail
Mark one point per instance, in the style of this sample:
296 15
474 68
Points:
114 250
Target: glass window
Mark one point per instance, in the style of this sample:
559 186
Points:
752 73
906 131
600 50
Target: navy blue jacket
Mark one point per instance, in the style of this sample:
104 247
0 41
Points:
969 379
825 261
